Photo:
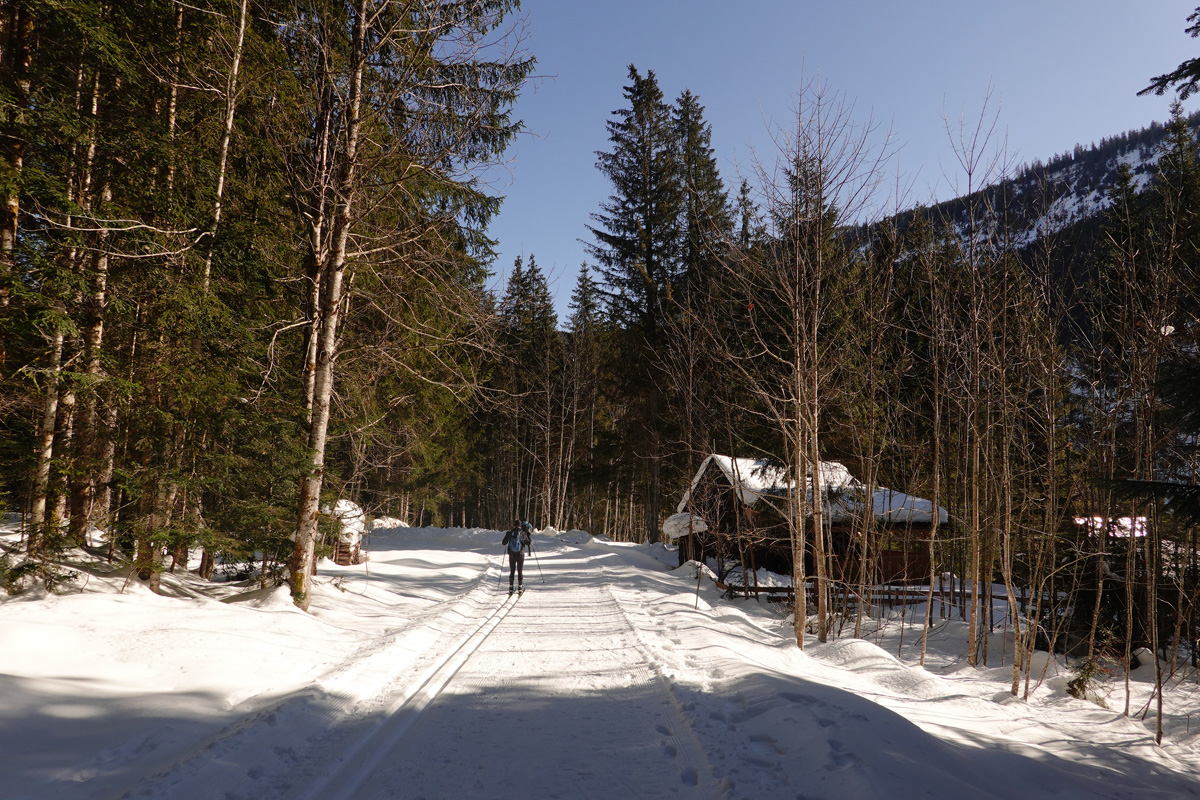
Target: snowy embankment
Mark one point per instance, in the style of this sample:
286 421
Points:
613 676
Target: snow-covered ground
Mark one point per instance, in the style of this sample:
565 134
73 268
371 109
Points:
415 676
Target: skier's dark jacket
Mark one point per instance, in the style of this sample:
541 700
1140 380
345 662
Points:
523 532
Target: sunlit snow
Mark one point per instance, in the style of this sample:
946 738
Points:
614 676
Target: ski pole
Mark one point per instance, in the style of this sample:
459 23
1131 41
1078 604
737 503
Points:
500 575
536 560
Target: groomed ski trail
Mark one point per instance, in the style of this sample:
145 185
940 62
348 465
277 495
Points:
564 658
475 704
357 762
258 756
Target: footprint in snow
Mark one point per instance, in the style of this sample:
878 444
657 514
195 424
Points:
839 757
802 699
765 741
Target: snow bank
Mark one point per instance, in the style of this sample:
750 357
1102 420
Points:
664 553
574 537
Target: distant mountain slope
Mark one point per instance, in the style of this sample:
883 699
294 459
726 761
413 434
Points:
1065 195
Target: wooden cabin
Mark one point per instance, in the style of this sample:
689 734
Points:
736 512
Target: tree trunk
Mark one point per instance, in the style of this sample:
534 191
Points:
231 89
88 438
44 452
18 62
332 275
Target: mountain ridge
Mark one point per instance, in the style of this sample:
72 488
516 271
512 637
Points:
1070 191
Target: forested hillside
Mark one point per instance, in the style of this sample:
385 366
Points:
243 273
1060 203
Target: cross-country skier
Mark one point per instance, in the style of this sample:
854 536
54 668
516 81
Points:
517 541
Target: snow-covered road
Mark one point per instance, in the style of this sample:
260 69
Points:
490 696
561 675
416 676
557 673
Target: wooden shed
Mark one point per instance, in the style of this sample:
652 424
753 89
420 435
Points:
736 511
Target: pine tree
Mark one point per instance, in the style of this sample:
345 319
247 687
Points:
396 120
706 219
584 375
639 246
585 316
1186 77
638 236
528 381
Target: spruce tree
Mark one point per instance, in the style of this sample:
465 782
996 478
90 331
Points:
639 247
585 309
584 376
706 223
1186 77
706 218
638 233
528 384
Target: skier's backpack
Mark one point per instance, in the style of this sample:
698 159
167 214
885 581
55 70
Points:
515 543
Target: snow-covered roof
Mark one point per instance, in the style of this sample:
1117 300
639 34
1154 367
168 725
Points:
753 479
683 524
756 478
889 506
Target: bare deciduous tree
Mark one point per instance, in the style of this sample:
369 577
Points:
827 174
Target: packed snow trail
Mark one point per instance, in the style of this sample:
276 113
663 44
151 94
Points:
336 714
562 675
359 759
612 677
549 694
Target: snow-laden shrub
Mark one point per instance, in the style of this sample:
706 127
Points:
352 523
26 573
1089 674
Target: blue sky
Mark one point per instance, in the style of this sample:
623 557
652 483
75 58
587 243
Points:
1060 72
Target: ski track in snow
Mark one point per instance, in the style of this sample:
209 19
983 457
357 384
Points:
527 700
254 756
484 700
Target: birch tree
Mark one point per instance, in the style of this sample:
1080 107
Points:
407 103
